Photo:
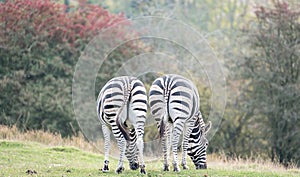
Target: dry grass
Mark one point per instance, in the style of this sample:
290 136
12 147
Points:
46 138
255 164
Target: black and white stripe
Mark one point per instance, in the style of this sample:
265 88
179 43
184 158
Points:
197 142
123 102
174 102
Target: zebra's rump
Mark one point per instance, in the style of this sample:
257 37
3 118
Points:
175 96
121 95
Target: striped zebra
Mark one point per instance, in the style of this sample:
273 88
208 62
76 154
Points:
121 104
174 102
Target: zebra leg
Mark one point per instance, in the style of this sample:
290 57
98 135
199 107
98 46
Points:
186 135
177 130
166 146
106 133
122 147
165 152
139 127
164 143
121 144
140 145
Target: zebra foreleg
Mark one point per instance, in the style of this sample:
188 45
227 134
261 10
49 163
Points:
106 133
185 140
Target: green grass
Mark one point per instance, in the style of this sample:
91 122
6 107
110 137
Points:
17 157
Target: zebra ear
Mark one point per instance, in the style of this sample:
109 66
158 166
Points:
207 127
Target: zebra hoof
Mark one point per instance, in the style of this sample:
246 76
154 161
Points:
185 167
176 168
166 168
105 169
119 170
143 171
134 166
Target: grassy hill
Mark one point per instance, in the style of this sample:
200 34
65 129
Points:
43 154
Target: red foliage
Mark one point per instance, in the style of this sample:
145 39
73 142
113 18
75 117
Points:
45 20
282 11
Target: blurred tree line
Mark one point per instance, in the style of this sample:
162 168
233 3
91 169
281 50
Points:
39 48
269 73
258 45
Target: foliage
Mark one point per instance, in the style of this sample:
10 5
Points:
39 47
271 80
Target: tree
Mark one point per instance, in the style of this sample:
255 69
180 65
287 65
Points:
270 72
39 46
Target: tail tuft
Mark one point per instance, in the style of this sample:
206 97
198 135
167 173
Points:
161 128
123 130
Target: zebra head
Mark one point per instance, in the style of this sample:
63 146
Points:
198 144
131 150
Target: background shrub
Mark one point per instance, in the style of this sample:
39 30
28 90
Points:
39 47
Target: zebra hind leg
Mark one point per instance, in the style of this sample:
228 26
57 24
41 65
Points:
177 130
166 158
163 140
106 133
166 146
140 145
186 135
122 147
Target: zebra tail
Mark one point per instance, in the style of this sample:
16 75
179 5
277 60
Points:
122 127
161 128
123 130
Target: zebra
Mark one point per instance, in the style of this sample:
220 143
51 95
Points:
174 103
121 102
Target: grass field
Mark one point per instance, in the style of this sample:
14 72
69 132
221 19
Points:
43 154
21 158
